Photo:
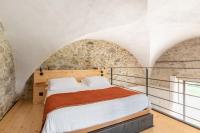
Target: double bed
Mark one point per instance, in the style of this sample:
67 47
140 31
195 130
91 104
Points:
124 112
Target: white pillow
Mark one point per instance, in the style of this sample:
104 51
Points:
68 84
96 82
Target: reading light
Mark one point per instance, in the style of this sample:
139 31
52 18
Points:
41 72
101 72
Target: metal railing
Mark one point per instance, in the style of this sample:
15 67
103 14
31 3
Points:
148 91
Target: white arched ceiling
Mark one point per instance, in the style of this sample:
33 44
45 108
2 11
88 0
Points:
37 28
170 22
133 37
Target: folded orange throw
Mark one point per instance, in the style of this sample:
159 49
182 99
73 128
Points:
61 100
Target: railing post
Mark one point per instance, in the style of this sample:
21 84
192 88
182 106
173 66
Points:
111 75
184 100
147 81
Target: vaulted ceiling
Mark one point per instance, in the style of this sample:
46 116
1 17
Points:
146 28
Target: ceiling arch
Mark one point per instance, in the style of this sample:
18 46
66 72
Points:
36 29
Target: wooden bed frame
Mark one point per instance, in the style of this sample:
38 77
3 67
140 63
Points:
124 120
142 119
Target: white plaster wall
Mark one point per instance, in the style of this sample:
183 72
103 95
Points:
170 22
133 37
37 28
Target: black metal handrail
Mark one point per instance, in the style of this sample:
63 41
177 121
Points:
120 67
160 97
128 82
156 88
146 84
173 91
130 76
174 111
174 102
161 80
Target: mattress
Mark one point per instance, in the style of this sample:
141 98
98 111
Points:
73 118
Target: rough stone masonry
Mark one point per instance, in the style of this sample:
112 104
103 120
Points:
7 76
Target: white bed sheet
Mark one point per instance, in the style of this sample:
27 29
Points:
78 117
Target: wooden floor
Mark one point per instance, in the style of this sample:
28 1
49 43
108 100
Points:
25 117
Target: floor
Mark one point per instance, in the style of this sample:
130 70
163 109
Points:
25 117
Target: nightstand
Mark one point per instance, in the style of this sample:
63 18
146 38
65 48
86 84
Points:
39 88
39 93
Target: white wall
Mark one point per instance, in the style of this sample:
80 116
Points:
133 37
37 28
170 22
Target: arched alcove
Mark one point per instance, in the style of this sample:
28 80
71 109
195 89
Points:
181 66
87 54
185 54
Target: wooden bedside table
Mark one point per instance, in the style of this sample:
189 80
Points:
39 89
39 93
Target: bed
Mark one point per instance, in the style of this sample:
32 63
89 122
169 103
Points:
119 114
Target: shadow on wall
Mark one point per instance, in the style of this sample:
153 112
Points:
85 54
184 55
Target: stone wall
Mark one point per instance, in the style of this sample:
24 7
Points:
86 54
184 55
7 76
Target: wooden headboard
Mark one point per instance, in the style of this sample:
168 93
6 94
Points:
78 74
41 80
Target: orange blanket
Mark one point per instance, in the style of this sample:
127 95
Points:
61 100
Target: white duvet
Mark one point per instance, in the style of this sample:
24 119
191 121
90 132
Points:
78 117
